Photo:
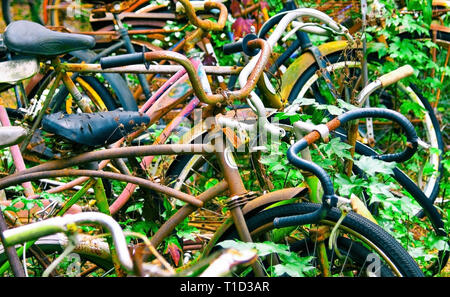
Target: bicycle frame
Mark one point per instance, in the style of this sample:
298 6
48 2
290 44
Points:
173 92
235 185
126 41
232 182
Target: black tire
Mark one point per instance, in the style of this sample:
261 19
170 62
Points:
357 253
353 224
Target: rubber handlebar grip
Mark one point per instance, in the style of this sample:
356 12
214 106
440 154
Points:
241 46
122 60
231 48
396 75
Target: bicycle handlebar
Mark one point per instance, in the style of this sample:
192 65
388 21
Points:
60 224
283 19
396 75
241 46
207 25
361 113
122 60
329 198
384 81
256 70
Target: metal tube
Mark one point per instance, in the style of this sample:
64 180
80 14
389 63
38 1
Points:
196 82
122 152
12 180
236 188
59 224
11 253
152 69
185 211
16 155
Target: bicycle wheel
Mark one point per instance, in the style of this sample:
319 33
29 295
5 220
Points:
14 10
399 97
81 262
360 242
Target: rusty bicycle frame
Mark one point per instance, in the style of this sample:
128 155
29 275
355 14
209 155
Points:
192 71
232 183
123 38
172 93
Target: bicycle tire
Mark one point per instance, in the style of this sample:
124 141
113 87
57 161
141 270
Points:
394 253
427 205
356 252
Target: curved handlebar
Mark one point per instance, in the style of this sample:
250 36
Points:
329 197
206 25
396 75
411 135
256 70
60 224
361 113
283 19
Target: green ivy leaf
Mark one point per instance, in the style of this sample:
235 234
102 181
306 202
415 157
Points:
338 148
373 166
377 47
188 232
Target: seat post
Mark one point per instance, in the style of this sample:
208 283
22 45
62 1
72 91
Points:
125 37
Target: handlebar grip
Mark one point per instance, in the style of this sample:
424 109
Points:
122 60
396 75
241 46
231 48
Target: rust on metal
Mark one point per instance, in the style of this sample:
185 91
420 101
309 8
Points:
315 135
206 25
196 83
320 234
102 174
152 69
121 152
167 228
256 205
273 197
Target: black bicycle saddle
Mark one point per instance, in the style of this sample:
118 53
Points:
94 129
30 38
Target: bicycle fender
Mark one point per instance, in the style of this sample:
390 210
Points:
299 66
268 199
256 204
